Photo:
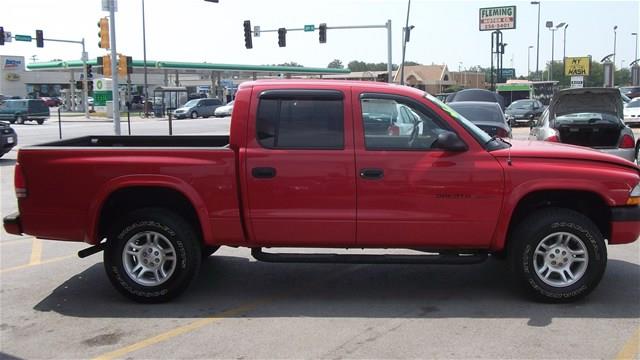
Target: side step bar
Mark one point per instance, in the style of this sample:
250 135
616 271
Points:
445 258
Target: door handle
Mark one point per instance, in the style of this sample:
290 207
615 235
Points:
372 174
263 172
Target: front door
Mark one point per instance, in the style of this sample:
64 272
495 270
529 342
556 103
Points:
300 168
413 195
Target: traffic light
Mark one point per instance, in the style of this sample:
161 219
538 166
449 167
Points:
79 85
248 41
323 33
122 65
129 65
90 86
89 72
282 37
103 34
1 35
105 65
39 39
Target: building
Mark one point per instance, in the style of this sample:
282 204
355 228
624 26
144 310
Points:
469 79
434 79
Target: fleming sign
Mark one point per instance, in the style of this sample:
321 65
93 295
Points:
498 18
577 66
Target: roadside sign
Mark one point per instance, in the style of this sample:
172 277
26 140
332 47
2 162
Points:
256 31
7 36
106 5
26 38
577 81
309 28
508 73
577 66
498 18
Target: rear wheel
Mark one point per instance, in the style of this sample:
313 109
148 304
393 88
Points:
152 255
40 121
557 255
194 115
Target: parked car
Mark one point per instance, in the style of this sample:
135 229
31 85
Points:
632 112
49 101
197 107
476 95
8 138
523 111
485 115
591 117
631 91
224 110
300 169
381 119
19 111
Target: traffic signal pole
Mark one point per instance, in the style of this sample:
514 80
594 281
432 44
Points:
85 88
114 68
385 26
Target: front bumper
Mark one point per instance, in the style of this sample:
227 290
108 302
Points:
12 224
625 224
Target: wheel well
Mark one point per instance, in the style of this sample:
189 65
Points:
126 200
587 203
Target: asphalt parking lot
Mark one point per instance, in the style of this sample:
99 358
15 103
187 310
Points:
55 305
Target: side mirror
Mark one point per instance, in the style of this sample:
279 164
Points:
449 141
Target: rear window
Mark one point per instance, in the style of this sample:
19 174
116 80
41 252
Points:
300 123
477 113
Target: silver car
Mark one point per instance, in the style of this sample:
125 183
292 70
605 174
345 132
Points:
197 107
591 117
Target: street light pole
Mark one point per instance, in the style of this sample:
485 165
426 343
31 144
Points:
614 45
405 38
538 38
529 62
564 46
636 35
144 58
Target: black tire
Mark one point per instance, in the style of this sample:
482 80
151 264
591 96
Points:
40 121
542 224
12 121
194 115
171 228
209 250
20 120
205 116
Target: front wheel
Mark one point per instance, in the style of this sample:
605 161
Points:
152 255
40 121
194 115
20 120
557 255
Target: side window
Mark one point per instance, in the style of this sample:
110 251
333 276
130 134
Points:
391 125
304 123
541 118
215 102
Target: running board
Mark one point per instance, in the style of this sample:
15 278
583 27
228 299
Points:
445 258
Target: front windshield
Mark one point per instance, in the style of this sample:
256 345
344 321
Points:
191 103
520 105
587 118
475 131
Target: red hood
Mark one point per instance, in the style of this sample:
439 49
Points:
550 150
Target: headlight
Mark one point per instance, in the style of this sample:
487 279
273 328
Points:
634 196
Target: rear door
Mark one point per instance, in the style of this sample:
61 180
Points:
300 171
412 194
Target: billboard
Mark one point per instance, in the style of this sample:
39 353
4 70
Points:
577 66
498 18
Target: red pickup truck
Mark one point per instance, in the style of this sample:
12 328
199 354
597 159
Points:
331 164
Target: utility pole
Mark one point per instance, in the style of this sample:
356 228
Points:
538 40
405 38
144 57
85 88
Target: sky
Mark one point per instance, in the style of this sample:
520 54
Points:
446 32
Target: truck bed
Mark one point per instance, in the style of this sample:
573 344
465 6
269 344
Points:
142 141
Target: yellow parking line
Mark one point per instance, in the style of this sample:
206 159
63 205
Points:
20 267
179 331
36 252
630 350
206 321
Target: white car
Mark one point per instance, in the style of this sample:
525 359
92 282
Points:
632 112
224 110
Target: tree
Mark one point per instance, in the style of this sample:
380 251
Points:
357 66
292 64
335 64
411 63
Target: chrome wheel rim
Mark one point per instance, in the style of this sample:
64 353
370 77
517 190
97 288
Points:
560 259
149 258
